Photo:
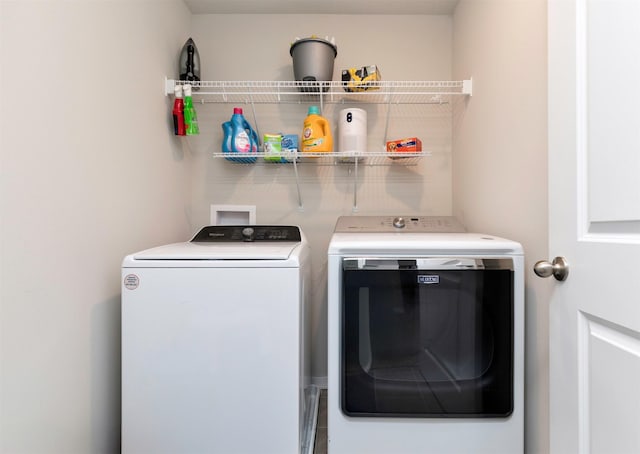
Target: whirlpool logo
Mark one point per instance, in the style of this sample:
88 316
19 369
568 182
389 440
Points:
428 279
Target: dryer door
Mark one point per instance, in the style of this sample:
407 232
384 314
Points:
427 337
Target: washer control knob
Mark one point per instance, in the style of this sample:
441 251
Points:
398 222
247 234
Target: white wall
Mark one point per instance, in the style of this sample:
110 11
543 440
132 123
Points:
256 47
500 159
90 172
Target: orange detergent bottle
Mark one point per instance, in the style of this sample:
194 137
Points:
316 133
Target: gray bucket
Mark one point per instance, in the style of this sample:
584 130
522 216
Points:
313 60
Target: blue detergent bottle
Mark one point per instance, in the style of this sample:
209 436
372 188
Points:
239 138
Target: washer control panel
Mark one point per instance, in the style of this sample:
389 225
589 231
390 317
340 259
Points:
242 233
410 224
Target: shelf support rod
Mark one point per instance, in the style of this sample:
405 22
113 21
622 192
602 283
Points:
355 184
295 171
255 119
386 123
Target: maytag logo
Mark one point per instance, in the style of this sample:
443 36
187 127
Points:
428 279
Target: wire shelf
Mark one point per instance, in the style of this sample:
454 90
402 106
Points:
367 158
331 92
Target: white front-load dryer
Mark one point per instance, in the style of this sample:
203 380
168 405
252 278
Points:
425 338
214 343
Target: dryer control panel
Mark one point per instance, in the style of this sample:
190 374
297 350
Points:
386 224
241 233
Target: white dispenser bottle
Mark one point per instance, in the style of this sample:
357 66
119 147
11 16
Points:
352 131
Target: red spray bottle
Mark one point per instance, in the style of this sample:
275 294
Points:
178 112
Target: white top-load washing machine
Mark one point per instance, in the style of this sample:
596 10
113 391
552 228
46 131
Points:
425 338
214 343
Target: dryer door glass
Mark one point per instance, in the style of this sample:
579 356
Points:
427 337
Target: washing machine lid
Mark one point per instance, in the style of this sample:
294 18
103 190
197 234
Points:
414 235
422 244
231 243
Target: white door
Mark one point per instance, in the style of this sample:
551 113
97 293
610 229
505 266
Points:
594 221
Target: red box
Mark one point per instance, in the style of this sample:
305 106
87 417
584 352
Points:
407 145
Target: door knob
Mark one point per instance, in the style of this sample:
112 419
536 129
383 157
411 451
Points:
559 268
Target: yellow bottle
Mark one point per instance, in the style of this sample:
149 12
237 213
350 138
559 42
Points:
316 133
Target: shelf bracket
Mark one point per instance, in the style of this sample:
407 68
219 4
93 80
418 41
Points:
169 86
467 87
